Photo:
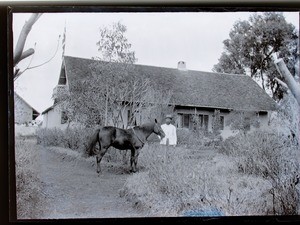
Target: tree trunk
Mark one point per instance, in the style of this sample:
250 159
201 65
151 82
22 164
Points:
18 53
290 81
106 106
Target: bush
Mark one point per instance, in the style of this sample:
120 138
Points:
162 187
74 138
272 156
28 185
192 182
50 137
197 138
77 139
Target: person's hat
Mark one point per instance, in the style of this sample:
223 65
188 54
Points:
169 116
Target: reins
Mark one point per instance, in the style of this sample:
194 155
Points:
138 136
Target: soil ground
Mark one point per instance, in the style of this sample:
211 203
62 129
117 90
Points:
73 189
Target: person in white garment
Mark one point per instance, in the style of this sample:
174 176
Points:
170 139
170 131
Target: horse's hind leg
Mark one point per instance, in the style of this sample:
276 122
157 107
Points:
99 156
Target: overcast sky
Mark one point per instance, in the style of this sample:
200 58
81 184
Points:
158 39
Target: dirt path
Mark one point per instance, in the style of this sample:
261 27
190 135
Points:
73 189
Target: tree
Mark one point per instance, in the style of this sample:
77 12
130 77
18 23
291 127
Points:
251 44
19 53
291 83
289 107
112 86
113 45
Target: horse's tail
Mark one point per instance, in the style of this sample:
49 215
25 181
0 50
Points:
91 145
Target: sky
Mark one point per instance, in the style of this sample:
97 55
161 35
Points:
158 39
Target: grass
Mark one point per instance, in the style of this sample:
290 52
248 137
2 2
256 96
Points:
28 185
195 180
273 156
252 174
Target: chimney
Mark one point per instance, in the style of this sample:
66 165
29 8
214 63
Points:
181 66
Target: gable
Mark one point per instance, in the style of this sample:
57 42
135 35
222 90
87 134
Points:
20 101
188 87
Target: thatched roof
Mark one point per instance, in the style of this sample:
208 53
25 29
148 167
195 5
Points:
189 88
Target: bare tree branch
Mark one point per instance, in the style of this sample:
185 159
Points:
27 53
18 53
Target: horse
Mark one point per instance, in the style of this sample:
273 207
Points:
132 139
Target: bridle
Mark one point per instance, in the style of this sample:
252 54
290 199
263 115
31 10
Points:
137 136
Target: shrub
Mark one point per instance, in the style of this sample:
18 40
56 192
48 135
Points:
272 156
190 138
197 138
28 185
50 137
162 187
192 182
74 138
77 139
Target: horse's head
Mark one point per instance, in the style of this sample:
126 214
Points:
158 130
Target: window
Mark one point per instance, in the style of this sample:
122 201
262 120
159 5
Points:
64 117
194 122
186 120
203 119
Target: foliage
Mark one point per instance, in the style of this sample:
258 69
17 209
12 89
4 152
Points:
197 139
242 120
75 138
216 123
251 43
287 117
255 174
273 156
106 99
113 90
28 185
194 180
49 137
189 138
199 136
113 45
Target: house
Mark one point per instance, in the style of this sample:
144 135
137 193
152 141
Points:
24 113
193 92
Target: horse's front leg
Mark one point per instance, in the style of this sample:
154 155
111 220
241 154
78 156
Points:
134 158
99 156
